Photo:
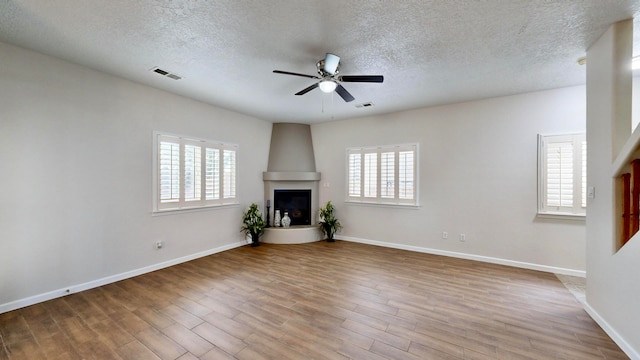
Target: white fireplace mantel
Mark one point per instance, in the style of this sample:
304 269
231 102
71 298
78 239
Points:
290 176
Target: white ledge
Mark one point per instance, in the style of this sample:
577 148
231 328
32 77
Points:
625 155
561 216
290 176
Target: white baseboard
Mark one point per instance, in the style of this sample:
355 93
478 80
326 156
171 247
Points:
17 304
111 279
519 264
613 334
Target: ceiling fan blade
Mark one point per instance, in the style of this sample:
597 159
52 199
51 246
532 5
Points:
362 78
331 63
295 74
344 93
306 90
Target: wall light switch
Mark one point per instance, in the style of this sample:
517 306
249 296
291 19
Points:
591 192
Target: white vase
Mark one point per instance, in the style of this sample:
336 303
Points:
276 219
286 220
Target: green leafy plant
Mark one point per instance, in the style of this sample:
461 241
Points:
328 222
253 224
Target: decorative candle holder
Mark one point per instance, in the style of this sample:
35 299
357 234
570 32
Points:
268 215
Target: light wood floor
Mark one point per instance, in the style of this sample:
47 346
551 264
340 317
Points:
321 300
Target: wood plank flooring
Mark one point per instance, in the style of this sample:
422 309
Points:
320 300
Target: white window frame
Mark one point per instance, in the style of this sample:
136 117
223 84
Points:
576 209
357 190
226 179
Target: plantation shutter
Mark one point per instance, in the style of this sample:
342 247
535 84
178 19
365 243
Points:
229 170
212 178
387 175
354 164
371 175
563 177
169 171
194 173
406 175
382 174
559 174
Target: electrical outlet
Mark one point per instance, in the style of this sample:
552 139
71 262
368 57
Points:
463 237
445 235
159 244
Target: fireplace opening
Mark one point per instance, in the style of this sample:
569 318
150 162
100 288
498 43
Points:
296 202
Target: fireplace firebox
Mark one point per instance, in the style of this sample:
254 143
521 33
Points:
296 202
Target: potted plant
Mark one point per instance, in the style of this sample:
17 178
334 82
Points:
328 222
253 224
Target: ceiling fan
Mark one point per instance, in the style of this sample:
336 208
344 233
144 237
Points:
328 70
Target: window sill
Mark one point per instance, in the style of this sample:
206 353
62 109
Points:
561 216
397 206
190 210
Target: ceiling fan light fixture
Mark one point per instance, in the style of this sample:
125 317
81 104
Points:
327 86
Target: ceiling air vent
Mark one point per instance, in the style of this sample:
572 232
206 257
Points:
367 104
166 73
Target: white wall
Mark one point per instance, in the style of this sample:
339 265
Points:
613 285
76 176
477 176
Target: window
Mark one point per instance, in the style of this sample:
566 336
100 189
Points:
562 174
382 174
192 173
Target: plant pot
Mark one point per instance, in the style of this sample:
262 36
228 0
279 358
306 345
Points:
255 240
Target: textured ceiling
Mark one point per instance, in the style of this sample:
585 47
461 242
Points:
430 52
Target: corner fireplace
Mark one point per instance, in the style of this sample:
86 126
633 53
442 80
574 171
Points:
296 202
292 180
